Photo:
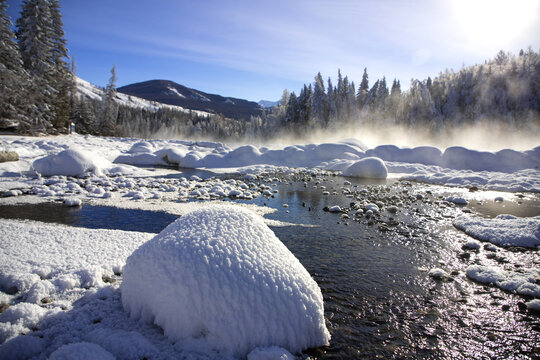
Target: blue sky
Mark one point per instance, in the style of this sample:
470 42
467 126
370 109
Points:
255 49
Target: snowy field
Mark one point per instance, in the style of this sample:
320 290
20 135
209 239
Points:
70 291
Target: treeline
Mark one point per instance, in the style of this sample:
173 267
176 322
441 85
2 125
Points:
505 90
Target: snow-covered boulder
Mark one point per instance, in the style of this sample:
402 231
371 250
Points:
370 168
70 162
219 278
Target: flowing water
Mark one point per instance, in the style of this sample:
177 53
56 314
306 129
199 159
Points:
380 301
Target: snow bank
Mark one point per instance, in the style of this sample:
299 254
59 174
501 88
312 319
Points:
506 170
69 162
460 158
521 282
370 168
65 257
503 230
218 277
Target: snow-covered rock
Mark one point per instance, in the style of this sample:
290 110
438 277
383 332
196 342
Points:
503 230
70 162
370 168
219 277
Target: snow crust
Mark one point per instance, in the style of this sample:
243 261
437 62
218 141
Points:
218 277
503 230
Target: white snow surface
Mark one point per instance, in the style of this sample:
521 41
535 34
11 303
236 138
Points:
219 278
522 281
369 168
503 230
42 259
506 170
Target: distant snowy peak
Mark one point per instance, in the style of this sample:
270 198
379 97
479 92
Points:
171 93
93 92
268 103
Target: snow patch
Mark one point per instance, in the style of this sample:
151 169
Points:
521 282
503 230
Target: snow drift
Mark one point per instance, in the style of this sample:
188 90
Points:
69 162
218 277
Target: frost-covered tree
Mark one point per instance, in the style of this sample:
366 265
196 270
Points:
109 114
363 90
331 101
62 78
318 102
14 81
34 35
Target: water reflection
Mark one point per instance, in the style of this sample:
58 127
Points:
88 216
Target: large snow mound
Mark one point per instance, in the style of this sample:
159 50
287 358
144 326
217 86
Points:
503 230
218 277
70 162
370 168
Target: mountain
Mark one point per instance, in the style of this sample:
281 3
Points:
169 92
268 103
93 92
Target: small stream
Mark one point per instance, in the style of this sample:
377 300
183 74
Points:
373 272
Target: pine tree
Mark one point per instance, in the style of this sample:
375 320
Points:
62 77
292 113
331 101
15 109
34 34
110 108
318 102
382 95
363 90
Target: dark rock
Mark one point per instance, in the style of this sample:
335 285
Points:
3 307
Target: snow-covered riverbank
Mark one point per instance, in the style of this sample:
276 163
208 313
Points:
61 285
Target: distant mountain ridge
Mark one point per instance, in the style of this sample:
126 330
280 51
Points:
268 103
169 92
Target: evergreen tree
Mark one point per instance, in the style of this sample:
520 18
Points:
34 34
15 109
110 108
382 95
363 90
331 101
318 102
62 77
83 118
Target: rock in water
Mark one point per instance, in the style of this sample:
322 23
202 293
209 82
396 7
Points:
369 168
218 277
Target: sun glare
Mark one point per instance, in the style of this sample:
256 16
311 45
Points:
486 23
